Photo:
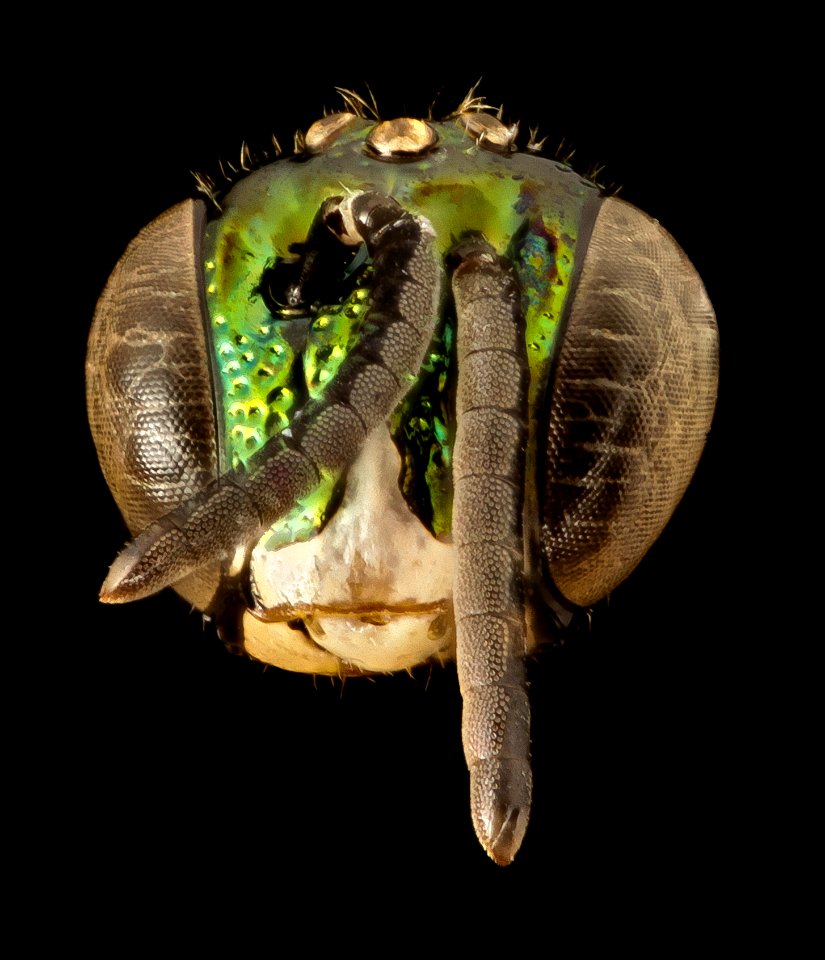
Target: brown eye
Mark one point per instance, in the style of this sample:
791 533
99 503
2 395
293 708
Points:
631 404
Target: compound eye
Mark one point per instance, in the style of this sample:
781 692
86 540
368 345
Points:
631 404
149 386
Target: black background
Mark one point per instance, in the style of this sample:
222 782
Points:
193 766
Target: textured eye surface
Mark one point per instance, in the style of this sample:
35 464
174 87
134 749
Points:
306 445
148 379
633 398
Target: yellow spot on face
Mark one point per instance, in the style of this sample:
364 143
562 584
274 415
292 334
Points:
211 288
210 264
220 320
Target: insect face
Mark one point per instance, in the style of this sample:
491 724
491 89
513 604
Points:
411 394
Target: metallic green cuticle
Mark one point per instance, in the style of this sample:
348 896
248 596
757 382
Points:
544 263
270 366
332 334
424 431
255 372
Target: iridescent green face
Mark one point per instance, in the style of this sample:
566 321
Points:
271 357
408 395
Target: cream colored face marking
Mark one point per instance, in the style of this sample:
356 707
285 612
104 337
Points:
374 588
